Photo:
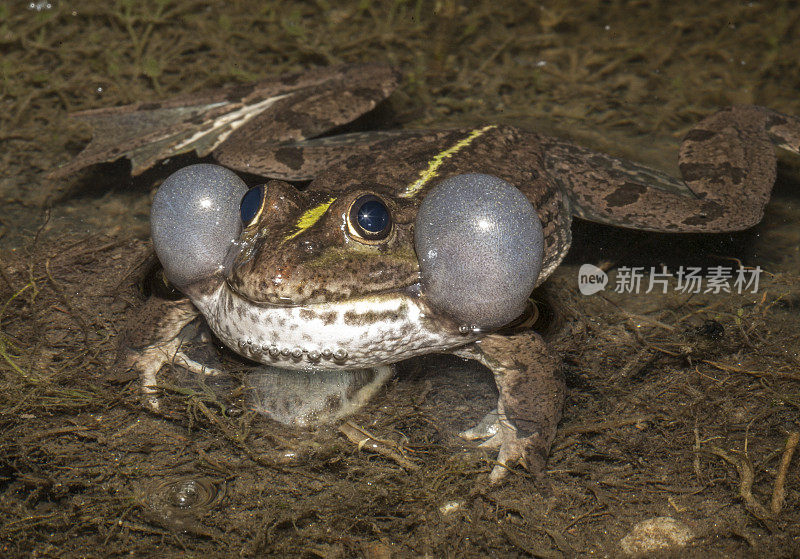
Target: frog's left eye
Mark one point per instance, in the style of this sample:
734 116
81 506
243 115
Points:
369 219
252 205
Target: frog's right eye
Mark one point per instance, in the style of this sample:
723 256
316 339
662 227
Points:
195 222
252 205
369 220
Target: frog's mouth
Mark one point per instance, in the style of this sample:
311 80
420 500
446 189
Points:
365 331
412 290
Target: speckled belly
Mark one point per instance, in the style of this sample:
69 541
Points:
364 332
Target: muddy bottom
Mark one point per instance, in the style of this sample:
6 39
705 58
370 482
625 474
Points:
682 408
679 406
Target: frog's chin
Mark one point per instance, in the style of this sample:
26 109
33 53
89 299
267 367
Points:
367 331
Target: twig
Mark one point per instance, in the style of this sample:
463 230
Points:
117 525
779 491
597 511
733 369
746 477
604 425
696 449
364 439
635 364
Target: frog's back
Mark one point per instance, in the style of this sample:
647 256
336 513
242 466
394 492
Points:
408 166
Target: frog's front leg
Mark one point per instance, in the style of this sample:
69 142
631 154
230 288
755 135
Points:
528 377
151 338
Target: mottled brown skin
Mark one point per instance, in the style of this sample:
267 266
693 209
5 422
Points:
300 271
528 375
312 103
727 162
728 166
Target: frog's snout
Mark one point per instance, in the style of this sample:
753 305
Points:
195 221
480 245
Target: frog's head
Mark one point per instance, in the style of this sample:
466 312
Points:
310 247
470 251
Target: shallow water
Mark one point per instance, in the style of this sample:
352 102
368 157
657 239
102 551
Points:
656 399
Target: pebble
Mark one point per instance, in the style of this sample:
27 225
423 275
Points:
655 534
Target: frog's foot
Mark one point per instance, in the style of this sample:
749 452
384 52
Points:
530 452
531 397
498 433
486 430
150 361
152 338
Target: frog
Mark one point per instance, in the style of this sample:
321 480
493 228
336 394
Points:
404 242
413 242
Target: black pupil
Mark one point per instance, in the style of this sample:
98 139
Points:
250 204
373 216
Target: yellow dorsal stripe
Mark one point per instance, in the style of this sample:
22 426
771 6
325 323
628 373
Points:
437 161
310 217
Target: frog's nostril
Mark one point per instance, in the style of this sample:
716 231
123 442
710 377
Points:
309 247
278 279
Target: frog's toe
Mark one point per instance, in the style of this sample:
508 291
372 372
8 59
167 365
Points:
512 452
528 452
486 428
498 433
196 367
150 398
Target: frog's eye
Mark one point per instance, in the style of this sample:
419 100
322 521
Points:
480 245
369 219
194 222
252 205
